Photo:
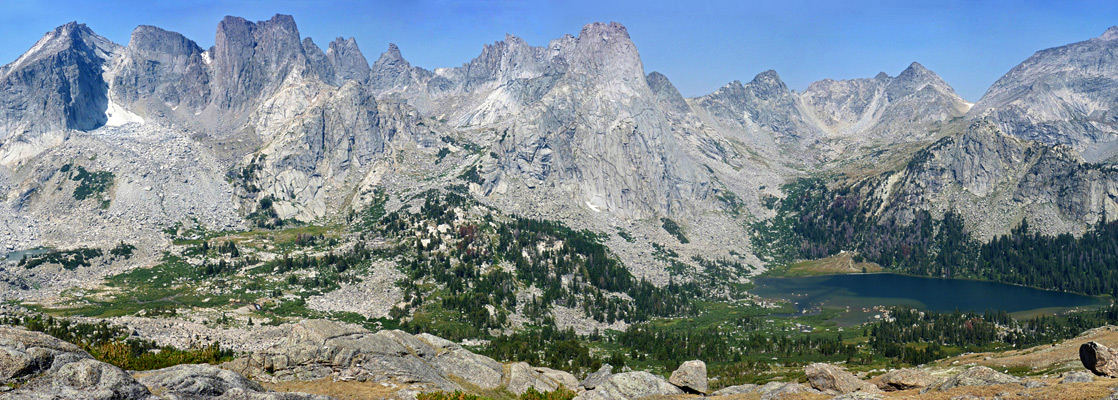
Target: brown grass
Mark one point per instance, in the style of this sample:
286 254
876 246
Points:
1044 359
1072 391
351 390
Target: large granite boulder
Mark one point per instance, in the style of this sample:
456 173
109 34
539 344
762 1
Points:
1101 360
691 376
830 379
904 379
631 385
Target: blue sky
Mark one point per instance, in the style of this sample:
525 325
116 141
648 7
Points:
699 45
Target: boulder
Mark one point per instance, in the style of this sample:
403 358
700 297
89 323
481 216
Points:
691 376
478 370
777 390
199 381
904 379
631 385
563 378
1101 360
830 379
597 377
978 376
1078 377
520 376
738 389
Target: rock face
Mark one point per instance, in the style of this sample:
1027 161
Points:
977 376
1101 360
830 379
161 72
993 181
1063 95
691 376
577 115
631 385
904 379
318 349
57 85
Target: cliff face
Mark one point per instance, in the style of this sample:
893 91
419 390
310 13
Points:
56 85
994 181
1063 95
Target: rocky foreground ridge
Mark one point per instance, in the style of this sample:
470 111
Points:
398 365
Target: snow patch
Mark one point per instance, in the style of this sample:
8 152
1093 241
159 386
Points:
118 116
968 104
592 207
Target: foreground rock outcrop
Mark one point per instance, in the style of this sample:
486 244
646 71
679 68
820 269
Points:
320 349
34 365
42 367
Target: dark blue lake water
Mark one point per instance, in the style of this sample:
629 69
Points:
935 294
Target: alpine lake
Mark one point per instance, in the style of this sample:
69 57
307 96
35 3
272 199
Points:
861 297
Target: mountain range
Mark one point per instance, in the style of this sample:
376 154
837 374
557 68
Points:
265 128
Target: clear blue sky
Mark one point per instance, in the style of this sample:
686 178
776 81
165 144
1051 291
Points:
699 45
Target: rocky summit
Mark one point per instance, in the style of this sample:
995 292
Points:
275 217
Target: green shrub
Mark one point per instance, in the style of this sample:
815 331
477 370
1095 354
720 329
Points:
91 184
674 229
122 250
